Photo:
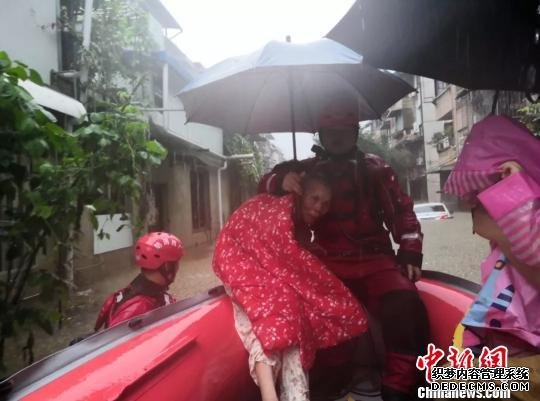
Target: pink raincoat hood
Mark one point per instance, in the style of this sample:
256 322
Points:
493 141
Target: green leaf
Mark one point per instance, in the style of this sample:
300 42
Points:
43 116
26 124
36 147
4 60
155 147
18 71
43 211
46 168
125 179
35 77
104 142
94 222
97 118
155 160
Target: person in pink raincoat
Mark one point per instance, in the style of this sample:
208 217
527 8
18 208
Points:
286 303
498 176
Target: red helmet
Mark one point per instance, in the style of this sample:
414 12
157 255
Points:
154 249
339 113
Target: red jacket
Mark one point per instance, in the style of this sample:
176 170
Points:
139 297
287 293
366 198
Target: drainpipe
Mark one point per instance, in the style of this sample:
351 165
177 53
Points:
87 23
165 94
222 168
87 32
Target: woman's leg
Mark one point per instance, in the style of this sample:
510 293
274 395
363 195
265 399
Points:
294 379
263 368
265 379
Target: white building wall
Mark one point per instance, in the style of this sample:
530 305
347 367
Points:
156 33
28 33
431 126
206 136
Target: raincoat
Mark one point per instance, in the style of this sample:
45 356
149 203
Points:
139 297
507 302
289 296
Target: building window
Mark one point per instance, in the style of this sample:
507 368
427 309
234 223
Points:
440 86
200 198
157 85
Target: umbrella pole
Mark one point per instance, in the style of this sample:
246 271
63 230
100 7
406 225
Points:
293 126
294 144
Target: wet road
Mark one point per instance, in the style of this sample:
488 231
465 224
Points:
450 247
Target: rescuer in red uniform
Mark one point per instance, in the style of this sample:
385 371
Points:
158 255
353 239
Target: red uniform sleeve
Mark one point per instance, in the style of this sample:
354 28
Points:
271 182
133 307
104 312
399 217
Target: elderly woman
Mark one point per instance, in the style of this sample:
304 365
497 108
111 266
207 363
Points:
286 303
498 176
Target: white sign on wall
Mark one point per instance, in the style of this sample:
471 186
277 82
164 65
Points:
118 238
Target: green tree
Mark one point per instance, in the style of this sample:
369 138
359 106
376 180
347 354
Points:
250 170
529 115
47 177
119 55
36 197
400 159
116 66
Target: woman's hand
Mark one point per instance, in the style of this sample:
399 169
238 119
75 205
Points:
509 167
291 183
413 273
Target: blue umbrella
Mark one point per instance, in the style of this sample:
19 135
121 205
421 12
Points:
282 87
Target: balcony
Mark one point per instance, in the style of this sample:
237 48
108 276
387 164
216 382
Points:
444 103
447 158
401 105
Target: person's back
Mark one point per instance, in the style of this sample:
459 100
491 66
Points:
157 255
497 176
354 241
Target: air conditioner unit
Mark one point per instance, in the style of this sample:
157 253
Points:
443 144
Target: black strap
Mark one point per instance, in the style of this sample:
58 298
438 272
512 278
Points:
142 286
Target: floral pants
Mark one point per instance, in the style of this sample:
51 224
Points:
286 365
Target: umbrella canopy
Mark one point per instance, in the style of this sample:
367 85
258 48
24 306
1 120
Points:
281 88
476 44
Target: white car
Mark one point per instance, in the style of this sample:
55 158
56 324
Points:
435 211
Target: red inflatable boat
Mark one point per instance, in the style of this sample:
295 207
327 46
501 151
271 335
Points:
188 351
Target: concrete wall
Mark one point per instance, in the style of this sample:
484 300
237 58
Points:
444 103
156 32
205 136
88 266
27 34
178 213
430 126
